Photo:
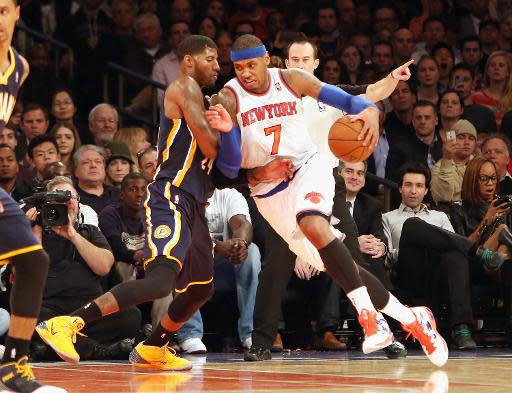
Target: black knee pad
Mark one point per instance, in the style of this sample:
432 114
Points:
30 271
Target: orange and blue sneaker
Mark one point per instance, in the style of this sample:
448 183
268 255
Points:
424 330
160 358
18 377
60 334
377 334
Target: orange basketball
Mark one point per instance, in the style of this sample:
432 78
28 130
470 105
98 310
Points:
343 141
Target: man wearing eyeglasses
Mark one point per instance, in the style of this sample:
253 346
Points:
103 123
447 173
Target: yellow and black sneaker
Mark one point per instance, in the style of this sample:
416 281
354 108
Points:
164 358
60 334
18 377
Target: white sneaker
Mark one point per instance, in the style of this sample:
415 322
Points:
425 331
247 343
193 345
2 351
377 334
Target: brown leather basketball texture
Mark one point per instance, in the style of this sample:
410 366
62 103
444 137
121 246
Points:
343 140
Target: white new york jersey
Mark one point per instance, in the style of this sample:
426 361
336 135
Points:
272 126
319 119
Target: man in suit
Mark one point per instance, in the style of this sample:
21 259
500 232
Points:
367 214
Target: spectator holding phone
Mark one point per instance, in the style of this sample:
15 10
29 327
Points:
448 172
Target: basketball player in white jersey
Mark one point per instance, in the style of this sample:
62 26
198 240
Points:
265 103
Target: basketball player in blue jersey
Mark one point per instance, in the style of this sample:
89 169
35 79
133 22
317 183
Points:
264 104
178 254
18 245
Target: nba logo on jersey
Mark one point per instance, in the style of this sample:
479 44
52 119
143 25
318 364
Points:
278 86
176 199
17 77
321 106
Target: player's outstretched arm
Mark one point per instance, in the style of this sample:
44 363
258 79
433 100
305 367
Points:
304 83
383 88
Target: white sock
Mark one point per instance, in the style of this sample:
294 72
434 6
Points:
360 299
398 311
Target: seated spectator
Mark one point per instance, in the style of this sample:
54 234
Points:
376 163
254 12
428 80
425 147
68 140
230 226
79 257
472 55
144 51
420 273
352 58
398 123
64 110
89 171
217 10
382 58
208 27
451 107
497 149
481 217
148 163
42 150
489 33
166 69
402 41
445 58
136 138
496 92
448 172
8 137
34 122
124 13
434 32
329 71
9 169
462 80
118 164
123 227
103 123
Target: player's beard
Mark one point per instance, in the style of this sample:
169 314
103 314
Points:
6 179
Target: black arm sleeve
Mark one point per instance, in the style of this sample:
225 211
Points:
354 89
220 181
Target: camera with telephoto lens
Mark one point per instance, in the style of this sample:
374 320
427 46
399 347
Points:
51 207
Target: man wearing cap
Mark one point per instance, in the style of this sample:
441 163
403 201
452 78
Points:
447 173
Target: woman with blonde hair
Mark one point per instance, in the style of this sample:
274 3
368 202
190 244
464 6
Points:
496 92
68 140
136 138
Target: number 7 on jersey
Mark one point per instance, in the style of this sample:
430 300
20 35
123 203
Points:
276 130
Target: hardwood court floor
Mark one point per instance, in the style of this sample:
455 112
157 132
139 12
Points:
482 371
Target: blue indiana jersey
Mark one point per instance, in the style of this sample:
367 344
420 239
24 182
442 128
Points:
180 160
9 86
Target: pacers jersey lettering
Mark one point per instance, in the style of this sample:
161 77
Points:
272 126
180 160
9 86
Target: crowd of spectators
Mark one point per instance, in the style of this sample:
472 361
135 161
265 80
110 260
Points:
444 140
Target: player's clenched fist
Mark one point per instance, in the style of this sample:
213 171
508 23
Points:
219 118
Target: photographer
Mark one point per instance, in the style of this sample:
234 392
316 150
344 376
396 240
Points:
79 256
